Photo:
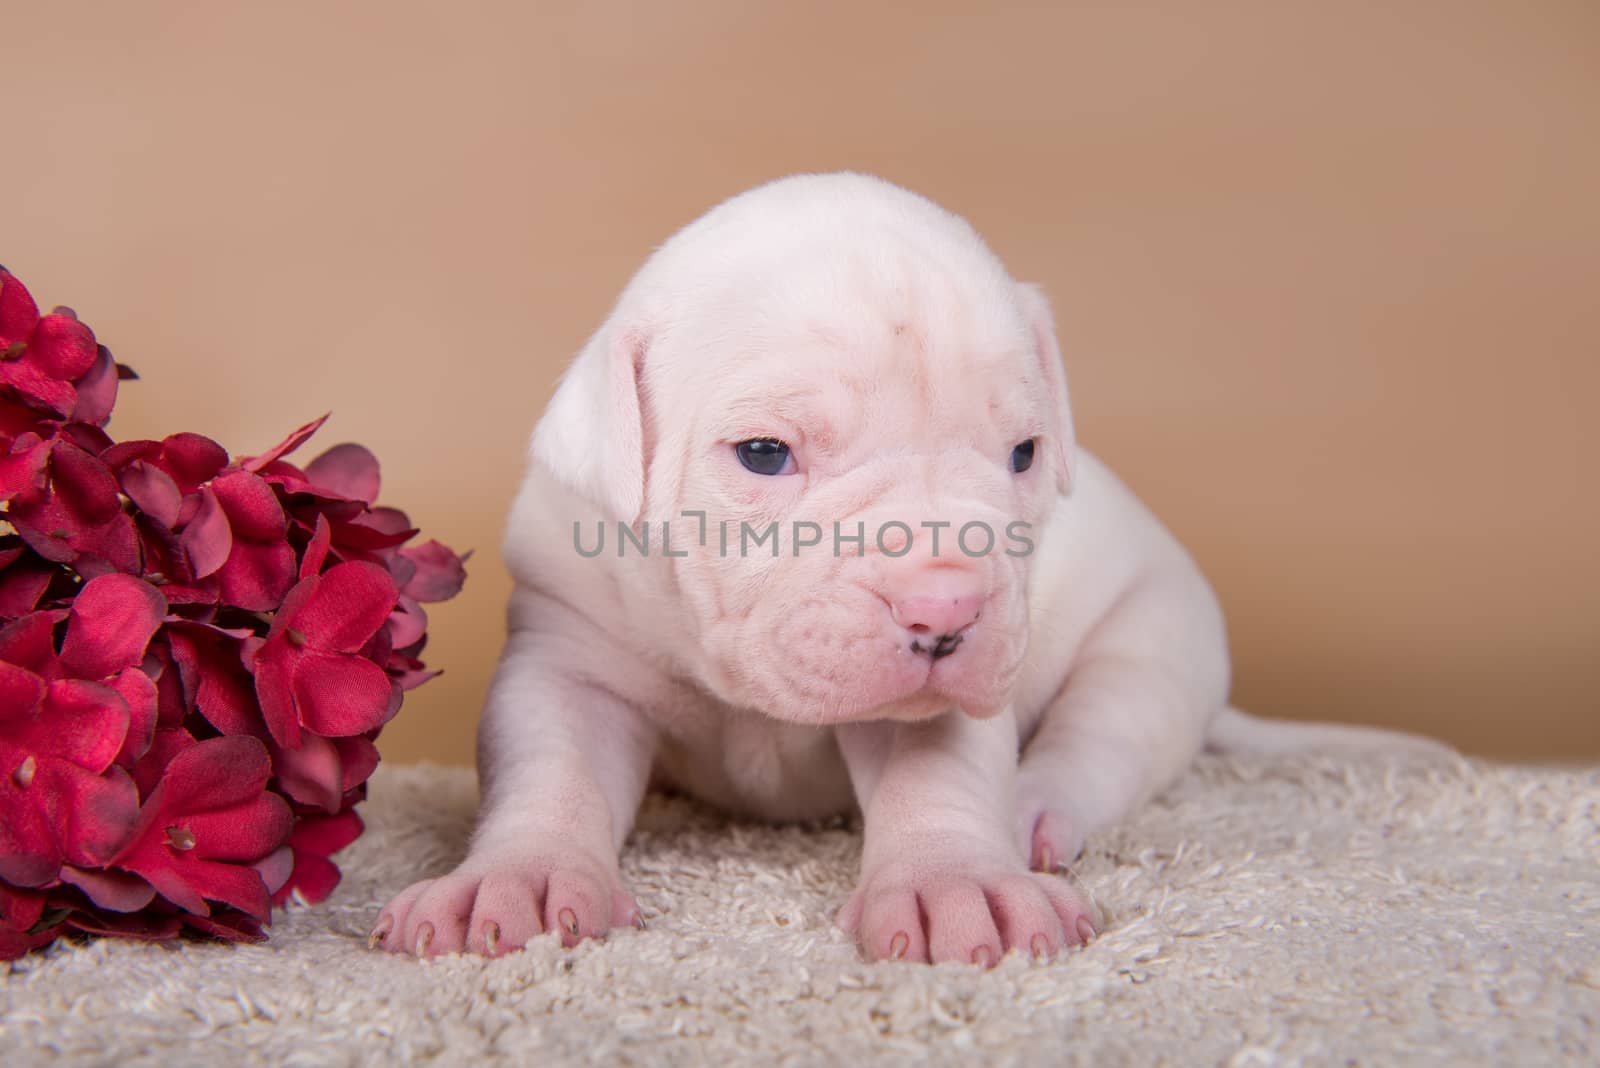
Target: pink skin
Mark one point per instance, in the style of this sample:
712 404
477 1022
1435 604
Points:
985 712
910 654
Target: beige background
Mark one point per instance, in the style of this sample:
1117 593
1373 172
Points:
1329 274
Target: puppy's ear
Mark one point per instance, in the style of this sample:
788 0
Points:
592 433
1063 443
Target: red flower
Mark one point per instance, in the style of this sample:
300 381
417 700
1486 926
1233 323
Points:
61 800
206 821
77 518
65 719
196 656
240 533
41 357
309 670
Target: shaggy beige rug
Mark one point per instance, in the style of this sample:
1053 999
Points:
1309 911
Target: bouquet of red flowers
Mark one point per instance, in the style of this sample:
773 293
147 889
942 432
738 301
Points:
196 655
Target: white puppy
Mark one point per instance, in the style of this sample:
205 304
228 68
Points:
864 564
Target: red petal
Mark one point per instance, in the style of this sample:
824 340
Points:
341 695
409 677
138 926
359 757
311 773
284 447
189 595
153 491
207 539
439 572
85 484
28 642
113 618
189 883
62 347
20 691
349 470
362 533
95 815
123 453
408 623
83 723
315 877
387 521
274 671
214 774
244 832
97 391
22 583
139 691
229 924
118 891
223 691
192 459
275 868
30 854
317 548
326 835
18 312
253 509
37 386
164 748
91 439
257 575
347 606
231 884
176 697
20 909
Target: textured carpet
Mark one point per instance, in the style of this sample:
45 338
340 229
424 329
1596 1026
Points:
1306 911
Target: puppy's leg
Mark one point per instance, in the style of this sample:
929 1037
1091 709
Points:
941 875
563 764
1129 719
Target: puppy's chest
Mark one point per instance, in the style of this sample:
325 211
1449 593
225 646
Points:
752 765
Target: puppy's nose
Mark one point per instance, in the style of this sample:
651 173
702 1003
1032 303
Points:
935 617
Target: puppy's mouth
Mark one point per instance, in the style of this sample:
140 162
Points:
926 679
940 647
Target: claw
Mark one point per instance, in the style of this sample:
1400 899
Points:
424 937
1086 929
983 957
491 938
569 920
1040 946
898 945
380 932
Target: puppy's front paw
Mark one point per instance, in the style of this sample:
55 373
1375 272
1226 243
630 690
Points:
937 912
495 907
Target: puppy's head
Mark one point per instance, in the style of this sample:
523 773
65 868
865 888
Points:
854 422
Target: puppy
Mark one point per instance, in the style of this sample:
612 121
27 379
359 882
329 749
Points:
806 528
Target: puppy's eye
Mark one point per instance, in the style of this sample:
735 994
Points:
1022 456
765 456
